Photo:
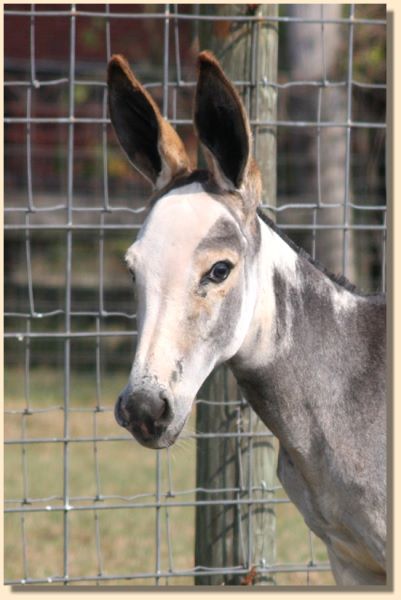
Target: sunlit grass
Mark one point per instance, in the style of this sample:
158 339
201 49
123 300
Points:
118 541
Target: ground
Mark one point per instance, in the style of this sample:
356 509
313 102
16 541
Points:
115 541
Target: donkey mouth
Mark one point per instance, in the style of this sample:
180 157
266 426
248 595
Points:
156 441
148 433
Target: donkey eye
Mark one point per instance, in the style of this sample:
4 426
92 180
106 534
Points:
219 272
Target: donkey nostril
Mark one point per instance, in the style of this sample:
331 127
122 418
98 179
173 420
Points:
119 413
166 410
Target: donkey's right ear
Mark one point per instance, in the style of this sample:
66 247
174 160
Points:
151 144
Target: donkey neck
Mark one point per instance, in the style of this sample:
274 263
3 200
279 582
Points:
297 335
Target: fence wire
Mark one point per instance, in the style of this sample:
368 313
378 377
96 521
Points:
64 456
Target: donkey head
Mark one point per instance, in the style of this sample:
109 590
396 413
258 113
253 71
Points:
193 260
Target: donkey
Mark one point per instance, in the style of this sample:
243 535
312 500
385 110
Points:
218 282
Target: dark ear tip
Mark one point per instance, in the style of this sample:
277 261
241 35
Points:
119 70
207 60
117 66
117 61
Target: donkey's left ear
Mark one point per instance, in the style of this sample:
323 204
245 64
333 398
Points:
223 127
151 144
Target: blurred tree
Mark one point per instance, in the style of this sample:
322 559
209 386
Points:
312 54
316 52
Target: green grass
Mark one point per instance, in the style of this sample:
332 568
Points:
126 536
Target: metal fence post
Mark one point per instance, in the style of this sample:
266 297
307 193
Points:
231 534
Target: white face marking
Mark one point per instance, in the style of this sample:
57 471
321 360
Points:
185 329
177 224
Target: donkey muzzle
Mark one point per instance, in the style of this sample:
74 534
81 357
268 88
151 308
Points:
145 413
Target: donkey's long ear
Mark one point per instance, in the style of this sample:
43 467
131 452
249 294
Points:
151 144
221 124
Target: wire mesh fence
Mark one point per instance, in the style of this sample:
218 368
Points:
83 503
